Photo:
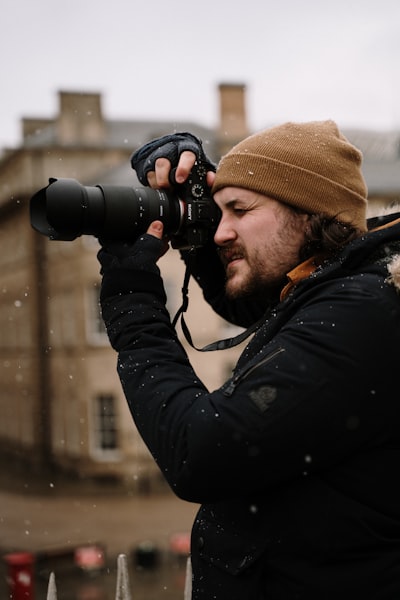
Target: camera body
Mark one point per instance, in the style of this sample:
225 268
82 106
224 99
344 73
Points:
65 210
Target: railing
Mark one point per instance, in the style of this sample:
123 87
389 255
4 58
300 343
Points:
123 588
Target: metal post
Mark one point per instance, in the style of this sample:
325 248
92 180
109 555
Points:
52 590
123 590
187 594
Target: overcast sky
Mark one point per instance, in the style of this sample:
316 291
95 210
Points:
163 59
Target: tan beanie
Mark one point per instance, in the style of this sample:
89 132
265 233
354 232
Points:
308 165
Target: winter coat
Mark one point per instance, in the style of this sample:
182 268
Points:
295 460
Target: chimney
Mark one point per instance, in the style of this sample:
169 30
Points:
33 126
80 121
233 118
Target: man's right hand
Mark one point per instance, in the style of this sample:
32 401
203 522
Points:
154 161
160 177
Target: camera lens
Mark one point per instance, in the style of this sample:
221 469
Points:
65 210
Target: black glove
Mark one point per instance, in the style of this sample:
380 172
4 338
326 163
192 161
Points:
131 268
170 147
142 252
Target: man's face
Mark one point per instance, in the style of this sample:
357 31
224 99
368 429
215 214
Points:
259 240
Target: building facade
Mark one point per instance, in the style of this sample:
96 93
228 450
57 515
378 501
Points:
61 401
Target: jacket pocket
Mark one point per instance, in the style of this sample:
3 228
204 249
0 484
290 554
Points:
230 386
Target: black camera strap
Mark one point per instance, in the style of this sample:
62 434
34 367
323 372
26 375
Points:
218 345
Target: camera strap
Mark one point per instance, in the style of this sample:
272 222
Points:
218 345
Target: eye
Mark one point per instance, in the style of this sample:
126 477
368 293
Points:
239 211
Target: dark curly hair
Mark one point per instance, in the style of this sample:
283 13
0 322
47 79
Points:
325 236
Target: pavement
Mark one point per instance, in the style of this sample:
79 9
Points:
51 518
40 515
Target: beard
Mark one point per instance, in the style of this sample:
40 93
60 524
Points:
252 278
260 269
255 286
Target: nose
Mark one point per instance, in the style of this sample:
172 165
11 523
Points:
225 232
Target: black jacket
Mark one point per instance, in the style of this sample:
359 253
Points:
296 458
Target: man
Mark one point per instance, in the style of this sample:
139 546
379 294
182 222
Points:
295 459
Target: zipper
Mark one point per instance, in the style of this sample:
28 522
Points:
230 388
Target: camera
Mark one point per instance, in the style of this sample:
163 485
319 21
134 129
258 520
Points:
65 210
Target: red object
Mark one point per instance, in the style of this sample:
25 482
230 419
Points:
180 543
20 575
89 557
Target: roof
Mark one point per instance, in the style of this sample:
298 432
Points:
381 149
120 134
381 159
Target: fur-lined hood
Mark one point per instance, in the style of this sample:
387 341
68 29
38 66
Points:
393 262
394 272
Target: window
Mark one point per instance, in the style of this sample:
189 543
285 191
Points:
105 431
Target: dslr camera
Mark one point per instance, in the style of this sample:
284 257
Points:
65 210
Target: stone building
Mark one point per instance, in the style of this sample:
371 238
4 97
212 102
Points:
60 398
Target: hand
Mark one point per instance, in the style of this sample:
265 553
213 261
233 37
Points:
154 161
113 254
159 178
156 229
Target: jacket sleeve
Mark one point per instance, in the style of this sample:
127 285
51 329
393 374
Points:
295 409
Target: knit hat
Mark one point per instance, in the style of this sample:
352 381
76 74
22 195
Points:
308 165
